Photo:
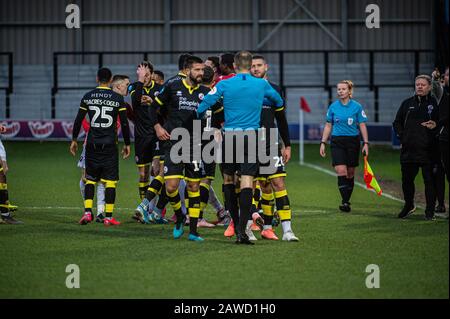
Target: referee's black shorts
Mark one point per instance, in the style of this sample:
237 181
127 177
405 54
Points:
240 158
345 150
102 162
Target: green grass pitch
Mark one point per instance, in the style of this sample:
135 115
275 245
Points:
143 261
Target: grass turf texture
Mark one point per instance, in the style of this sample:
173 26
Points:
143 261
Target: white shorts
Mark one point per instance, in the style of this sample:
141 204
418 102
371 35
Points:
2 152
82 160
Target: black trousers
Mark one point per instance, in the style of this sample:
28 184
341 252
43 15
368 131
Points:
409 173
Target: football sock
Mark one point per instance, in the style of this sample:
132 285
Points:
286 224
231 202
82 184
245 204
162 201
283 205
204 197
110 197
257 197
183 195
343 188
350 186
143 185
100 198
89 190
194 211
267 202
213 200
153 189
175 202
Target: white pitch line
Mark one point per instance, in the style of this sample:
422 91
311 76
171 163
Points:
326 171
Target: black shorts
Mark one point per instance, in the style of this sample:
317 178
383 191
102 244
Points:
272 169
157 150
190 171
143 150
345 150
102 162
239 158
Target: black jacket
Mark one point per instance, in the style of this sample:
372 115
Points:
419 144
444 105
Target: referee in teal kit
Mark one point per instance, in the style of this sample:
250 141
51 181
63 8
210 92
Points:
345 120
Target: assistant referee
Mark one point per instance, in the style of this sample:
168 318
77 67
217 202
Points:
345 120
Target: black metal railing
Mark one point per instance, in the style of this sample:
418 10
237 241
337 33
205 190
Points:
281 62
9 87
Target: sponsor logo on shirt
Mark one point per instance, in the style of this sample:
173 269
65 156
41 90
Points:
184 104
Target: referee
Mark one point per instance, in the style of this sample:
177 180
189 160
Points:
345 120
243 97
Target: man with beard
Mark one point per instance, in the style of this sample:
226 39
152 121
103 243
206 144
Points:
180 98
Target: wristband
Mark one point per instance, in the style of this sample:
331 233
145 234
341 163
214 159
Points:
322 142
366 143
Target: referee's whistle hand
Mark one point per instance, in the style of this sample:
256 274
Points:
322 150
126 151
73 148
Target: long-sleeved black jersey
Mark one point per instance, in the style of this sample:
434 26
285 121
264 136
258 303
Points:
269 114
142 122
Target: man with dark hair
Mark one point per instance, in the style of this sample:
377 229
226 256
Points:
119 84
274 183
214 63
180 98
243 97
182 71
226 66
158 77
102 162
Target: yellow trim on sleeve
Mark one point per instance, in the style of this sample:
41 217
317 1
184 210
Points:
159 101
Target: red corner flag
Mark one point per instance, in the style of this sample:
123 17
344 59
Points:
370 179
304 105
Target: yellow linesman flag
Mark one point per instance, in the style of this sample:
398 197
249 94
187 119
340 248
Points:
370 179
